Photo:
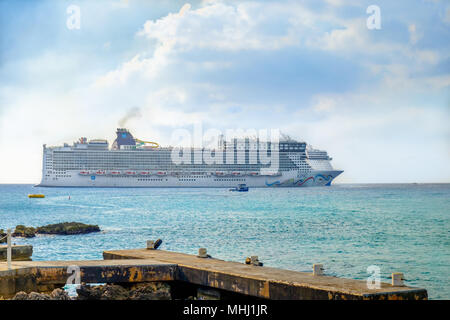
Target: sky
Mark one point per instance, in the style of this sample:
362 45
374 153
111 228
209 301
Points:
377 99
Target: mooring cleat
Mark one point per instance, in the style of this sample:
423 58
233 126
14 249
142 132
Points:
153 245
202 253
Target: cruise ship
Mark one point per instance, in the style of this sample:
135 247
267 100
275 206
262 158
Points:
131 162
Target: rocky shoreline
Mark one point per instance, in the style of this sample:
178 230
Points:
143 291
64 228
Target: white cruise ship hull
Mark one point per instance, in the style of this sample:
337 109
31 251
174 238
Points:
136 163
286 179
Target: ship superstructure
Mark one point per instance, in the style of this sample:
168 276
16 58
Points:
131 162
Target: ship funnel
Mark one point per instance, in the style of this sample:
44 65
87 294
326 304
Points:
124 140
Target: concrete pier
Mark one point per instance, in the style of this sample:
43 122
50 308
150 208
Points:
143 265
266 282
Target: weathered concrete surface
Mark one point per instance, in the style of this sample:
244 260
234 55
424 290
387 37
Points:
44 276
19 252
141 265
265 282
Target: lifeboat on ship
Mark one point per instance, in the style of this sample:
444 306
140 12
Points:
145 173
115 173
84 173
235 173
219 173
161 173
254 173
273 174
100 172
130 173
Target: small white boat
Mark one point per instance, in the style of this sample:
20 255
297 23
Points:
84 173
240 188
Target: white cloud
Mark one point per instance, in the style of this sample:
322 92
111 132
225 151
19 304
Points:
184 9
246 26
414 35
383 138
122 4
220 27
324 104
350 36
438 82
447 15
340 3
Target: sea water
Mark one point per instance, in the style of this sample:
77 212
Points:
347 228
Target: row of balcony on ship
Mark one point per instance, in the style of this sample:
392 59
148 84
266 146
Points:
178 173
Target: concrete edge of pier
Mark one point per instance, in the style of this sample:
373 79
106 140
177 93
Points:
143 265
266 282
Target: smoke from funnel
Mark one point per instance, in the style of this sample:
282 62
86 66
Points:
134 112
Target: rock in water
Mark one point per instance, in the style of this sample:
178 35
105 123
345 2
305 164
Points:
67 228
21 295
105 292
144 291
151 291
114 292
31 296
38 296
59 294
23 231
89 292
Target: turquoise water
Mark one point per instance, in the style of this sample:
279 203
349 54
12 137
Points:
400 228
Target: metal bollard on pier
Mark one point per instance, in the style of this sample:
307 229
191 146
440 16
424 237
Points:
318 269
153 245
202 253
397 279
